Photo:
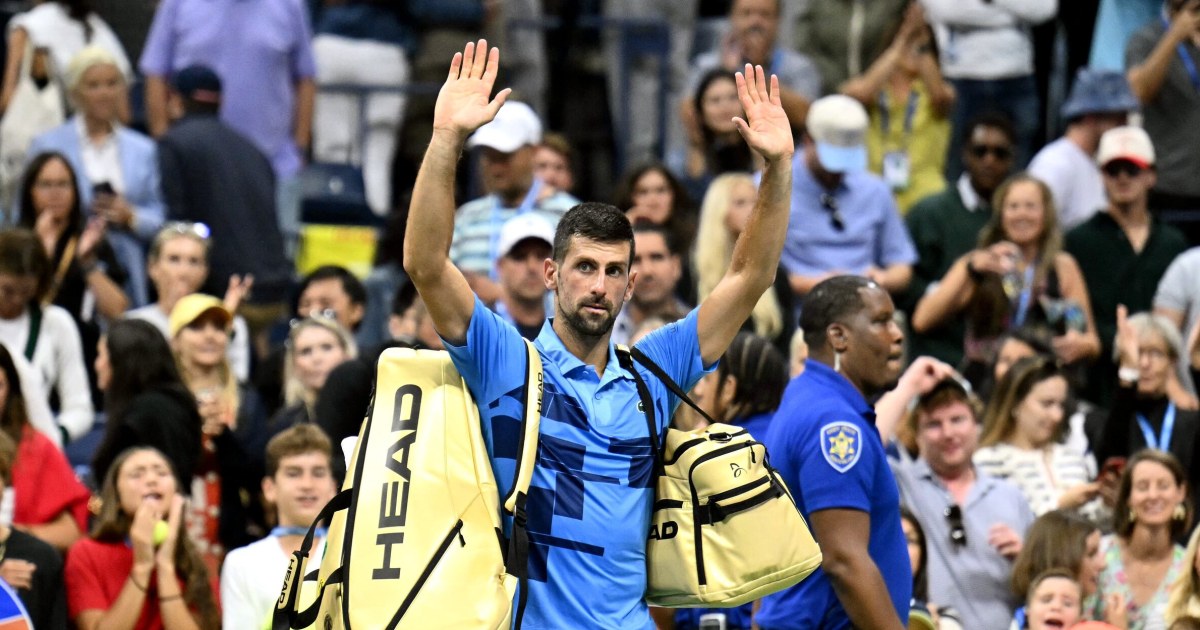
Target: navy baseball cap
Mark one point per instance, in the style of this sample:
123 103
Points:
198 83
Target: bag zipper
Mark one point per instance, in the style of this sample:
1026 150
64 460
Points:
701 576
455 532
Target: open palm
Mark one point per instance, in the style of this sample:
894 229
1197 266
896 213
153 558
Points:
768 130
464 103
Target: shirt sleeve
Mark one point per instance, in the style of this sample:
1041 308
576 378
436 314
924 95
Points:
76 413
824 477
82 579
895 245
676 349
303 65
237 608
492 349
159 51
1173 289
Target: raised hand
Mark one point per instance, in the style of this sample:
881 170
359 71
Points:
768 131
463 103
1127 339
236 292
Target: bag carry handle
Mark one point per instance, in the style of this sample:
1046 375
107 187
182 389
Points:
285 615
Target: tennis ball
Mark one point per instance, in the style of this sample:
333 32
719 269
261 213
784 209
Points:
161 531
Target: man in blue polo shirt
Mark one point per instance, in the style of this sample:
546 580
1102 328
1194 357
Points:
589 503
824 442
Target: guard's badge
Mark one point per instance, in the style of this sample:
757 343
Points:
840 444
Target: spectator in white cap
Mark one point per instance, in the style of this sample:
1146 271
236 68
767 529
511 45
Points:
1123 251
507 148
844 219
1099 101
526 241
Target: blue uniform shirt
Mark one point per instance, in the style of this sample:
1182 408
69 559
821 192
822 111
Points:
589 502
824 443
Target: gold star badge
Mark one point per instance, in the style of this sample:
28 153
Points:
841 445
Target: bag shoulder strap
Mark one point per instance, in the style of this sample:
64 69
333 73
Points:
670 384
626 361
516 559
35 329
285 615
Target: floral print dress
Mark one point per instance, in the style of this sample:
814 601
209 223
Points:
1113 579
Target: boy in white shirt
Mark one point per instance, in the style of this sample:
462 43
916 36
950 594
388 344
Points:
299 483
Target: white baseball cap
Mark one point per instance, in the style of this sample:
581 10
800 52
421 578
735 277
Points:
521 227
838 126
515 125
1126 143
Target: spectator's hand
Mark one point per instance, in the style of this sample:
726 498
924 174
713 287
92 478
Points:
17 573
214 415
1004 540
998 258
91 237
1186 22
462 104
1115 611
141 532
239 287
911 27
164 559
114 208
1127 339
732 55
1078 495
768 131
924 374
1072 346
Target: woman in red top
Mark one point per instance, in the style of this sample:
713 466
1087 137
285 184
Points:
119 577
50 502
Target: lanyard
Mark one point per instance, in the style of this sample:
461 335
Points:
885 114
281 531
1025 298
498 219
1164 438
1186 58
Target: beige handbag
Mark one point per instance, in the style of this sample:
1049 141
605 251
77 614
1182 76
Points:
724 529
30 112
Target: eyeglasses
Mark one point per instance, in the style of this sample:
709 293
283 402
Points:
981 151
958 532
830 203
325 315
1116 167
188 228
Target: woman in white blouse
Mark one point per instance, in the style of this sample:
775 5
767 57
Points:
1023 429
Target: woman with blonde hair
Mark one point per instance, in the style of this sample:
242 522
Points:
723 215
315 346
1022 440
1183 600
223 513
125 575
1018 276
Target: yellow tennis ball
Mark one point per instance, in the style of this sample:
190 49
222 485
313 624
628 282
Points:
161 531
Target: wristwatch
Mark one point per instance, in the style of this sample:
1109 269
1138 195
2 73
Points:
1129 374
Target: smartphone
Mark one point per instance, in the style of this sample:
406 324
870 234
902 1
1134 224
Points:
712 621
1113 466
103 188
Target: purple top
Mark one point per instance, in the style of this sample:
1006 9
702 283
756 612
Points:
259 48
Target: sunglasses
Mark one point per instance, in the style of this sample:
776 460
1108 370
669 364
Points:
1116 167
981 151
830 203
958 532
188 228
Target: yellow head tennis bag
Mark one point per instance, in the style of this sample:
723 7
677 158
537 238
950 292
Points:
415 539
724 530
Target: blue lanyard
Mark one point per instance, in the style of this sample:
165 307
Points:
281 531
498 219
1164 438
885 114
1186 58
1025 298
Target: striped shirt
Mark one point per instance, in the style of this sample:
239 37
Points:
1042 475
478 223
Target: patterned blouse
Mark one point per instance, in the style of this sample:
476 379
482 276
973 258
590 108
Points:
1149 616
1042 475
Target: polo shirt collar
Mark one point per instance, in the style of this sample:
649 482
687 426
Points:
966 192
554 350
823 377
983 481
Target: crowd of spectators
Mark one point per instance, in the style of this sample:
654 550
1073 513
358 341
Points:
158 342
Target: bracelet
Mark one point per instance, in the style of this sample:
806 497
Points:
139 586
170 598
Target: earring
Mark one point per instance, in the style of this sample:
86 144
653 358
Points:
1132 516
1180 512
837 361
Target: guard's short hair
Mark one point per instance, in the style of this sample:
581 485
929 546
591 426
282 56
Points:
600 222
832 301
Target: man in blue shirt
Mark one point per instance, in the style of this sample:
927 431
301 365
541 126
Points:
824 443
589 503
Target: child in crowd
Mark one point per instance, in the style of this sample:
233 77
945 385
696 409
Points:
1055 600
299 483
120 577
